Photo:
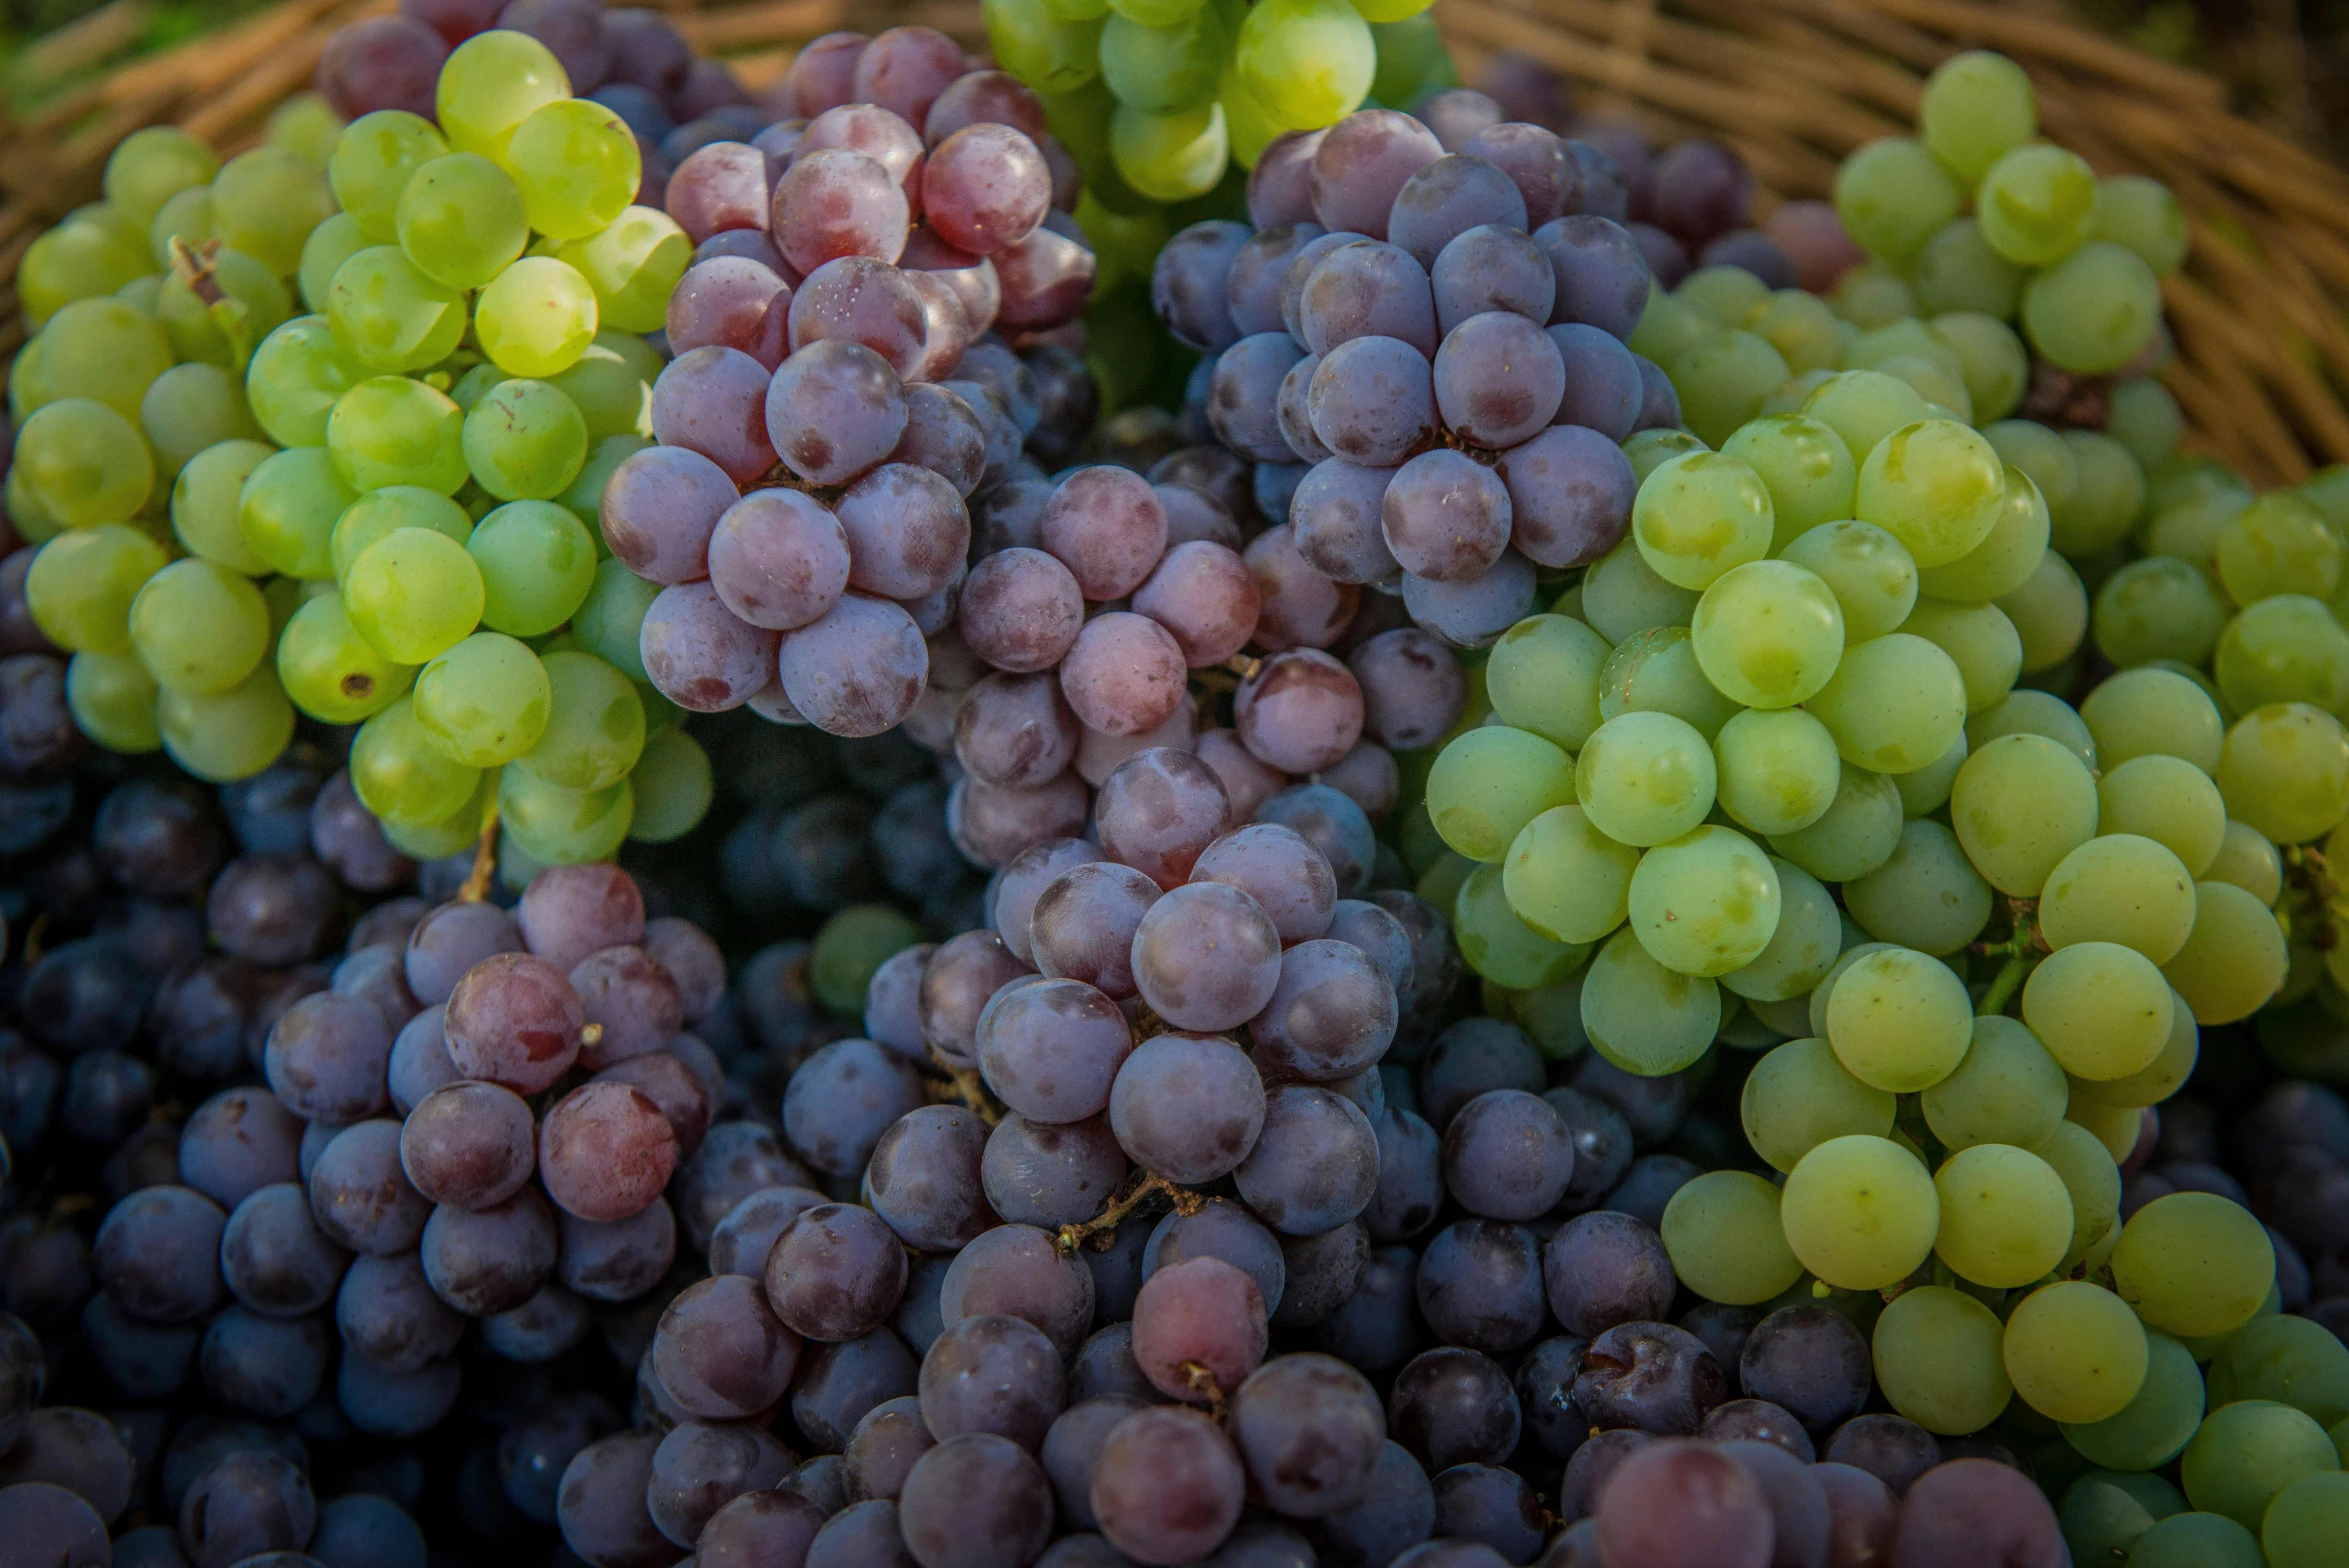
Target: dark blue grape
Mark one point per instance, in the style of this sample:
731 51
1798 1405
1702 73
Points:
759 1528
1893 1449
862 1535
616 1260
1019 1269
736 1159
1310 1431
534 1451
265 1367
1071 1451
1648 1185
1378 1327
363 1530
1321 1274
699 1469
1508 1155
388 1315
992 1373
1724 1330
247 1503
85 995
1035 1173
1315 1164
237 1142
107 1093
28 1093
1652 1376
1410 1177
1331 822
1486 1503
1480 1285
884 1445
918 1322
837 1385
157 1254
1592 1465
1104 1365
1220 1229
1606 1268
1602 1144
542 1328
740 1242
273 909
1758 1421
146 1361
1454 1406
601 1503
1473 1057
1809 1360
976 1500
273 1257
79 1450
53 1526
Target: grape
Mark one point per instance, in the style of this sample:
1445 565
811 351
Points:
1083 925
326 1056
835 1272
991 1373
699 1469
1199 1328
1570 495
1675 1503
1050 1051
1372 400
577 166
600 1504
1188 1107
632 265
1904 1022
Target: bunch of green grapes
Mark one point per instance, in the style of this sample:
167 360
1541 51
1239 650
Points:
1158 99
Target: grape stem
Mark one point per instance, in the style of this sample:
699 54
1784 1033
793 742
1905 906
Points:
1099 1228
485 860
963 1084
2009 980
1203 1386
2022 950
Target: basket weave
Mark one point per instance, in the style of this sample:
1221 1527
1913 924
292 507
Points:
2263 348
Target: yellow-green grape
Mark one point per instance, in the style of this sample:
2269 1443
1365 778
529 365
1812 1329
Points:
230 735
1047 42
84 463
2006 1090
2244 1455
1892 194
2106 500
2247 859
388 316
189 408
112 699
1937 1357
1860 1212
305 124
524 440
577 165
484 701
490 84
288 508
2155 1426
563 826
2119 887
1777 771
185 216
1997 367
608 621
1798 1096
632 264
1872 294
1865 406
2006 1216
1489 782
1494 941
199 627
1928 896
2285 770
81 585
1669 331
390 430
2155 1082
1957 270
401 773
330 244
2075 1352
2306 1523
2095 310
612 395
1768 634
1977 107
1857 833
413 594
1643 1017
1543 676
2029 712
1877 347
1979 640
1730 295
2168 800
1726 379
2194 1264
475 384
255 302
2189 527
1700 515
458 832
1622 595
1173 156
372 162
585 497
673 786
2103 1010
378 512
1870 572
2092 1175
2020 804
1936 486
77 260
461 221
1566 879
2294 1360
1656 671
1165 68
594 732
265 203
536 318
2285 649
296 376
331 672
205 502
1801 950
1705 903
104 349
1810 337
1895 703
2117 1127
1248 126
2008 556
537 565
1309 63
2153 712
1723 1235
1852 951
1926 790
2145 421
2279 544
1942 387
2035 203
1900 1020
152 165
2236 958
1644 778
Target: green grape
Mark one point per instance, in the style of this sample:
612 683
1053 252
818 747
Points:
1895 703
1768 634
1440 884
332 673
297 374
2190 528
536 318
1872 294
673 787
371 165
1705 903
1162 69
1725 379
537 566
2093 1178
613 398
1622 595
205 504
1978 106
1644 778
2006 1090
1489 782
1957 270
1308 62
190 408
1863 407
305 124
288 507
1777 771
2035 204
2236 958
1700 515
1942 389
2028 712
2284 649
1670 330
1860 1212
186 217
2103 1010
490 84
1656 671
1806 467
2245 1454
2307 1522
388 316
413 594
1566 879
77 260
1899 1020
199 627
595 726
1927 896
2167 800
849 947
1722 1233
2117 1127
390 430
1857 833
2119 888
632 264
2284 769
401 773
2292 1360
457 833
1643 1017
585 497
1803 947
2008 555
1997 367
112 698
1936 1352
609 619
1173 156
2155 1426
1543 676
1730 295
2105 1512
84 463
2152 712
1497 944
484 701
378 512
2049 613
1926 790
2095 310
524 440
1250 128
1979 640
2106 499
1936 486
2141 215
2247 859
475 384
103 349
1892 194
256 304
2020 804
266 201
2196 1540
2193 1264
577 165
1807 334
2145 421
230 735
153 164
1877 347
461 221
1869 571
1798 1096
2075 1352
1650 450
2006 1216
81 585
564 826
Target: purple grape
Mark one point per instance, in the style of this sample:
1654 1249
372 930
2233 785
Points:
1614 171
1045 1174
699 1469
1124 674
1300 710
1188 1107
1021 609
731 302
1332 823
1653 1376
1167 1487
1572 490
156 1254
451 939
1015 731
1456 114
658 509
975 1501
267 909
856 670
1297 605
1335 521
992 1373
238 1142
1243 399
1315 1162
1017 1270
1199 1328
1051 1050
983 97
1206 957
1190 282
1480 1285
273 1257
490 1260
1084 923
1413 689
835 1272
923 1178
601 1504
1808 1360
1453 1406
360 1195
1372 400
859 300
1702 189
985 187
1108 527
1537 161
1046 278
1446 199
1499 379
1756 252
741 1241
1368 288
1445 516
606 1151
1473 614
1203 593
1253 286
1361 164
712 401
378 63
721 1353
778 559
1683 1505
835 409
888 1440
1666 257
836 202
1224 1230
962 977
842 1099
1758 1421
1507 1155
1396 1513
618 1260
1279 187
1977 1511
1489 268
1602 277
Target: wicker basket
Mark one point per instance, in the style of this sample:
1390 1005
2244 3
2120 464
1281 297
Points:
2263 349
